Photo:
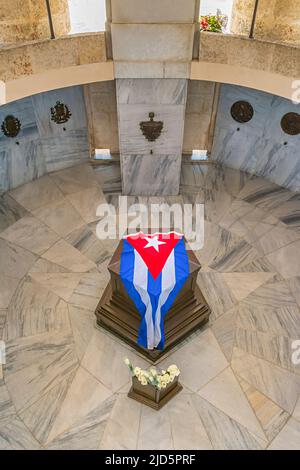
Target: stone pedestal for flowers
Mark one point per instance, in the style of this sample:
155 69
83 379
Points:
153 388
149 395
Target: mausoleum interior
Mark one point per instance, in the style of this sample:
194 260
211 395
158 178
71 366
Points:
150 224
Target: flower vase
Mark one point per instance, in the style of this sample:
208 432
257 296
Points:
151 396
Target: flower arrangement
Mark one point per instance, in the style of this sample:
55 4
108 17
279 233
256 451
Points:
213 23
159 379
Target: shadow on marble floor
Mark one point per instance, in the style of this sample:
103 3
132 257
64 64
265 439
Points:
64 384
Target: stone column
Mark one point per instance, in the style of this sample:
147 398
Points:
152 44
27 20
277 20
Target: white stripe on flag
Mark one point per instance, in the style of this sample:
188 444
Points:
140 281
168 281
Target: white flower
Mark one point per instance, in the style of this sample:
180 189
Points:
137 371
173 369
127 361
144 381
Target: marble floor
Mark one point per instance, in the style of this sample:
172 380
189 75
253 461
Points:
64 384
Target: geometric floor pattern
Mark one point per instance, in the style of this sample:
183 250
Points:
64 384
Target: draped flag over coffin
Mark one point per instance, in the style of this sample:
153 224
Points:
153 270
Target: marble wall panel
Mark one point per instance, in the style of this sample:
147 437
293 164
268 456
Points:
259 146
43 102
151 175
41 145
156 11
64 151
138 42
145 172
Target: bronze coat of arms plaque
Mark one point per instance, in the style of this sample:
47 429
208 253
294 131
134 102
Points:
60 113
151 129
11 126
242 111
290 123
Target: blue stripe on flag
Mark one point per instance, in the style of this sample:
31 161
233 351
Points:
126 274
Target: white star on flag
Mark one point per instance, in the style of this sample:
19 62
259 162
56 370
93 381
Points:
154 243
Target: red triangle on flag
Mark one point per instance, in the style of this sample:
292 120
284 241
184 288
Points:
154 249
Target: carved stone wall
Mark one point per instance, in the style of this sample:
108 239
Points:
277 20
27 20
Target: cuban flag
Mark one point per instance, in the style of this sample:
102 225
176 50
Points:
153 269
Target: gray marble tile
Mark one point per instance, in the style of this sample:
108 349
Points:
225 393
121 432
44 266
261 264
6 405
296 413
87 433
26 163
264 194
242 284
216 203
3 315
36 364
294 284
8 286
217 242
150 175
83 327
274 294
280 385
40 416
285 261
276 238
89 290
61 284
31 234
37 193
86 202
283 321
224 432
5 157
84 404
224 330
155 430
216 292
271 417
15 436
75 179
60 216
14 260
288 438
187 428
84 240
70 150
289 212
10 211
104 354
199 360
270 347
109 177
35 310
65 255
238 256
